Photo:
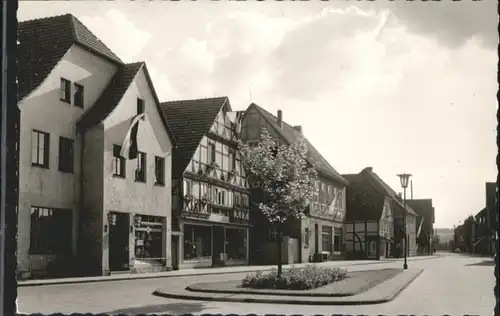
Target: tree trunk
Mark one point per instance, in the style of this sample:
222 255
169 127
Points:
280 255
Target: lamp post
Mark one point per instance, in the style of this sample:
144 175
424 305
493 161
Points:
405 177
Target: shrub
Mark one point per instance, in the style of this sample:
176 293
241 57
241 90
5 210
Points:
306 278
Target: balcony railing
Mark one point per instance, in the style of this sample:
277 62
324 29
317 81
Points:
202 208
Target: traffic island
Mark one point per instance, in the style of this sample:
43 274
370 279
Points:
359 288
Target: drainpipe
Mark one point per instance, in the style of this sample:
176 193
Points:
80 215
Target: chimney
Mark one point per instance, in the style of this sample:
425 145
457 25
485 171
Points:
368 169
298 128
280 118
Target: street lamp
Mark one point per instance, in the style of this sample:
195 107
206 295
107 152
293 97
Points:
405 177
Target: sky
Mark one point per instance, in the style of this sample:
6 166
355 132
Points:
397 86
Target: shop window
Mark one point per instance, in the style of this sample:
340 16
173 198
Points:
337 242
148 237
236 244
51 231
197 242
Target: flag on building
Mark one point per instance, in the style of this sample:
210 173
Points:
129 146
235 118
420 227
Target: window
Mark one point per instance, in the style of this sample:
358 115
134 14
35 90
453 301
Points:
140 106
148 238
159 170
326 238
236 244
211 152
51 231
40 149
273 234
232 160
65 90
197 242
78 96
140 171
188 187
118 162
244 200
66 154
306 237
237 199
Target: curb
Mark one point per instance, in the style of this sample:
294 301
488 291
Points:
144 276
232 298
246 291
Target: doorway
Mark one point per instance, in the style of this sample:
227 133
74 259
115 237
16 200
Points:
175 252
219 241
119 242
316 238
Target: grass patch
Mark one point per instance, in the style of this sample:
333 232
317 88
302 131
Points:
310 277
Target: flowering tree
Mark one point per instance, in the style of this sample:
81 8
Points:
282 174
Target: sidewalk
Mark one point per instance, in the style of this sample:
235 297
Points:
207 271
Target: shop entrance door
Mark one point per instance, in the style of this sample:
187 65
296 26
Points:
316 238
119 243
175 252
219 241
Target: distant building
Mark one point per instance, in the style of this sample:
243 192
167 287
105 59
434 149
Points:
210 191
83 208
374 223
319 235
425 222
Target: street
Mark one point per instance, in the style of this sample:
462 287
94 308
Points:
452 284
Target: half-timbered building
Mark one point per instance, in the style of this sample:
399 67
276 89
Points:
210 192
317 236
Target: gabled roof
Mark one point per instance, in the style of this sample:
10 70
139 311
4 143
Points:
378 183
289 134
481 213
423 207
113 93
363 200
189 121
43 43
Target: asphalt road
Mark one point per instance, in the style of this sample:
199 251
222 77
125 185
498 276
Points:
452 284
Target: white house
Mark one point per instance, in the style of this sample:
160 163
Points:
81 204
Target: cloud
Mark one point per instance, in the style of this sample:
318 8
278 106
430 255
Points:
119 33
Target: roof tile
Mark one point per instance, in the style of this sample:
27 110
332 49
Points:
43 43
290 134
189 121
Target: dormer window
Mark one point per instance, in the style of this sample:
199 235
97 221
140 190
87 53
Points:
78 96
140 106
65 90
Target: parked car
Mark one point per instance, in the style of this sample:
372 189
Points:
457 250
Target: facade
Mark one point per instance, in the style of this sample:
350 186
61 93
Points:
319 234
374 221
425 222
81 204
210 191
369 223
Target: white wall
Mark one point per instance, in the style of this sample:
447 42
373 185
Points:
126 195
43 110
